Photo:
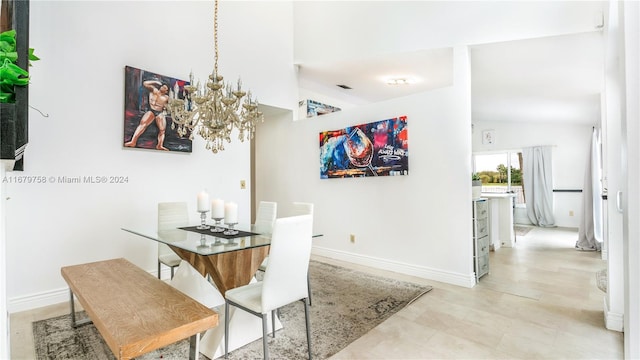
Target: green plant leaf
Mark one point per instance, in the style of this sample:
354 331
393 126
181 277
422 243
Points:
9 33
10 74
6 47
8 40
32 56
12 56
5 97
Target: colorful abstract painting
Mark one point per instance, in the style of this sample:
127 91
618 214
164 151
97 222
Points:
315 108
375 149
147 124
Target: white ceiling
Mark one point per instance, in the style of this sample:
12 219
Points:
551 79
428 69
541 79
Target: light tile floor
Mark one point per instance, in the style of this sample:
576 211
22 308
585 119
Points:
539 301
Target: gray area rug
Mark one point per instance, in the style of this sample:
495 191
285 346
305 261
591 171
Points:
346 304
601 279
522 230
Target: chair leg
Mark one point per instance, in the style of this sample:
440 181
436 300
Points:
226 330
306 318
309 287
264 337
273 322
172 269
159 268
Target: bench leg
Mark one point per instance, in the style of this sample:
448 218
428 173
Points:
74 323
194 347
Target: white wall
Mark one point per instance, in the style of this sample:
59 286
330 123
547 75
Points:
570 154
632 198
417 224
79 83
4 314
613 170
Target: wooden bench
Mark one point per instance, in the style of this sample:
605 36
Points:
134 311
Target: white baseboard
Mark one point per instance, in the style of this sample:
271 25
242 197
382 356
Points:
34 301
612 321
463 280
56 296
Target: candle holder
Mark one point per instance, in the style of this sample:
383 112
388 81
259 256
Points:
217 242
203 243
203 220
231 231
217 228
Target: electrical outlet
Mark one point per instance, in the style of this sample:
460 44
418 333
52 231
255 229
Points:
243 184
352 238
570 212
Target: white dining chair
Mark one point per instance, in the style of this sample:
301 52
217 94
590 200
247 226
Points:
265 217
302 208
298 208
285 279
170 216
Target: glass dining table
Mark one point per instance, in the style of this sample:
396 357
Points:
229 260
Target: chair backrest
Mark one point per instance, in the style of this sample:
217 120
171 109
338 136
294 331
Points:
302 208
265 217
285 279
170 216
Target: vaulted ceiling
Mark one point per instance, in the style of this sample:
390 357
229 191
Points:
530 61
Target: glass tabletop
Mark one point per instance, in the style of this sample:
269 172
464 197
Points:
205 244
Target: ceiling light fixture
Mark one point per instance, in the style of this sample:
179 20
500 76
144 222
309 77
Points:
399 81
216 109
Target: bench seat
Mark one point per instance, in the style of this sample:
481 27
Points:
134 311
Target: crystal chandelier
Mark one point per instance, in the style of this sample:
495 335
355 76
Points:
215 110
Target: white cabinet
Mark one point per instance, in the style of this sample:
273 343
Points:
480 237
501 219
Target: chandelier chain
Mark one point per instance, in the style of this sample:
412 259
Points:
215 35
215 109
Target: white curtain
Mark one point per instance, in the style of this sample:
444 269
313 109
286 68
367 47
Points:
538 185
590 232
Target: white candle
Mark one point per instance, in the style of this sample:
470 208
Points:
217 209
203 201
230 213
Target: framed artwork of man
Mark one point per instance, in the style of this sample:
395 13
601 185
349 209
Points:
147 123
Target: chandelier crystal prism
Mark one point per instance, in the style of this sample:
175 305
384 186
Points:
215 110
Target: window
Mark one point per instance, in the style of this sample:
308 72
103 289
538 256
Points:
501 173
